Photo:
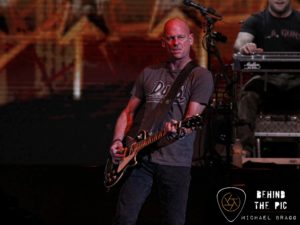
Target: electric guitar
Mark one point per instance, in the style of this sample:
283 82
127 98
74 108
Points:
113 172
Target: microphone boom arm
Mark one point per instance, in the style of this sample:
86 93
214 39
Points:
204 11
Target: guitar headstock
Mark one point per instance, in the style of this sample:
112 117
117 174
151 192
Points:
193 122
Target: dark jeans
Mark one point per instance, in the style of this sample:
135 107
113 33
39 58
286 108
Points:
275 93
172 184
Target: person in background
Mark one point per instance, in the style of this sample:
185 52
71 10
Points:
275 29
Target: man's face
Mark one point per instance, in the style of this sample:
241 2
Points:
280 7
177 40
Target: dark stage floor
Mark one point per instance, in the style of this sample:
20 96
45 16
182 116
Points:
52 154
74 195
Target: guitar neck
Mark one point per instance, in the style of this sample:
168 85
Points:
191 122
149 140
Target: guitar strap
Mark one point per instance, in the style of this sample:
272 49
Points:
163 107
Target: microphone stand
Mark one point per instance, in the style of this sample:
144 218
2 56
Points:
212 49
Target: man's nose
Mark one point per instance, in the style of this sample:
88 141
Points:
175 41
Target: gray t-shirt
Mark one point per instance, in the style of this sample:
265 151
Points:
152 86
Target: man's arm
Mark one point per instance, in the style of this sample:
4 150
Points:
194 108
242 39
244 44
123 124
125 120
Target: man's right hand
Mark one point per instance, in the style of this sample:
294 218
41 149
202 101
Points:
117 151
250 48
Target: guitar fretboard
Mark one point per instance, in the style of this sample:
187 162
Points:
149 140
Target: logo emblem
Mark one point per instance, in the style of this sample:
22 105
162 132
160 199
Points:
231 201
252 66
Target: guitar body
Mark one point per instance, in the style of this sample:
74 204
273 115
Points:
114 172
111 174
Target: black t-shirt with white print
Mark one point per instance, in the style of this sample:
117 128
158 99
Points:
274 34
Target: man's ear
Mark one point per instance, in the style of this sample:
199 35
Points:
191 38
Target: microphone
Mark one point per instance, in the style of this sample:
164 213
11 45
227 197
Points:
202 8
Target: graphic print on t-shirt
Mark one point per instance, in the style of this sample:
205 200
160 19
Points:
160 90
